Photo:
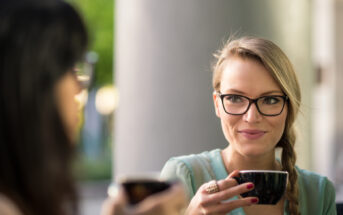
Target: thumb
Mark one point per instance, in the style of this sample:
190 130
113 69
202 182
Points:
234 173
114 205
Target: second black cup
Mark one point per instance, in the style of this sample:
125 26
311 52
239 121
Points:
270 185
139 189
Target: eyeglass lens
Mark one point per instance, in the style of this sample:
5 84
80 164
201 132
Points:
83 73
84 70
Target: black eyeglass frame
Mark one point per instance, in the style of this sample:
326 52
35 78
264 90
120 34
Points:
253 101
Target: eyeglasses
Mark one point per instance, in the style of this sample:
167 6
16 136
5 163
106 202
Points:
84 70
234 104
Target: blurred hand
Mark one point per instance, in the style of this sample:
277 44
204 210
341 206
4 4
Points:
170 202
216 203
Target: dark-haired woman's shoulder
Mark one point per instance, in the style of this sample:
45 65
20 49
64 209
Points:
316 193
7 206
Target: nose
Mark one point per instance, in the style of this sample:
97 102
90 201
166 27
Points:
252 115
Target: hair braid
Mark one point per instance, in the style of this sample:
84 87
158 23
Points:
288 164
281 69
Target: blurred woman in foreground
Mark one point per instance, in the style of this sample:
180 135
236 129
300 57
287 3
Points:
40 43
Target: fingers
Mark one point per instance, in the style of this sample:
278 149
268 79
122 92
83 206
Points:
220 200
228 188
225 207
233 191
226 183
207 201
171 201
234 174
107 207
114 205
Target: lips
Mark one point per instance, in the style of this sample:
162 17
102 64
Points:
252 134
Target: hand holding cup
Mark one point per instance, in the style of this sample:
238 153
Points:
215 197
145 196
270 185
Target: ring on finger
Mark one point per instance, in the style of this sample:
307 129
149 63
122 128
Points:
212 187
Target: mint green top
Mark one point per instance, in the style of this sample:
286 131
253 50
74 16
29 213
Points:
316 193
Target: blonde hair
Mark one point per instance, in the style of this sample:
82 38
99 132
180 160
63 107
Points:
281 69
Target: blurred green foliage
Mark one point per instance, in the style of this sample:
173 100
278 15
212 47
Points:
99 18
99 166
89 170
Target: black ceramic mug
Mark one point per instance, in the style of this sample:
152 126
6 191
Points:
270 185
138 190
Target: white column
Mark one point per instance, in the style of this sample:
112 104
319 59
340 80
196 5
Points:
324 109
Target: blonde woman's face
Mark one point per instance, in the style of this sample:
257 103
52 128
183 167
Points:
66 90
250 134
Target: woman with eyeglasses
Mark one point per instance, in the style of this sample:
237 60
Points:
41 42
256 97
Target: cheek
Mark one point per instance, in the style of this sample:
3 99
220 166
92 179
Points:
229 123
278 126
65 93
71 111
218 107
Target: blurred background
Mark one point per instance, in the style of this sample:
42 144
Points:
151 97
93 166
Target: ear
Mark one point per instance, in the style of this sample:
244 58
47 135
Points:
217 103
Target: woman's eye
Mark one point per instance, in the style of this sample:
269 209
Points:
234 98
271 100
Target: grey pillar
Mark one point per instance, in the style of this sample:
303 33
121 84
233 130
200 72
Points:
163 70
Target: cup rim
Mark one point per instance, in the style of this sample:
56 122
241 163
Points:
266 171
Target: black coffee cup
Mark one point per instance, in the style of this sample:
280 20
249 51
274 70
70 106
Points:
139 189
270 185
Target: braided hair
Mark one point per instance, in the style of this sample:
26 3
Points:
281 69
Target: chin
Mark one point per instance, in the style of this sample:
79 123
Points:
255 151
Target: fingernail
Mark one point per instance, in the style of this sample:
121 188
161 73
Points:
254 200
249 186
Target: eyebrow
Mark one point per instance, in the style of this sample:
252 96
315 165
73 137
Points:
263 94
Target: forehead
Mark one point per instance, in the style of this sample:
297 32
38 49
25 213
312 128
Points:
248 76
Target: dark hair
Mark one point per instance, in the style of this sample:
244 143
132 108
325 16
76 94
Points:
40 41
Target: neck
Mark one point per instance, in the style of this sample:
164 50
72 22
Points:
235 161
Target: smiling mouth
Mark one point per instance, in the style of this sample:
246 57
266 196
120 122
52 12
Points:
252 134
